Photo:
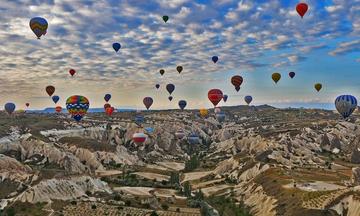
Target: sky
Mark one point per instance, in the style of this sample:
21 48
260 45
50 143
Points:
252 38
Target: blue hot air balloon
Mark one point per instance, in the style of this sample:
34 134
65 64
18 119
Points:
55 98
139 119
215 59
345 105
149 130
225 97
220 116
107 97
182 104
10 108
193 139
116 47
248 99
170 88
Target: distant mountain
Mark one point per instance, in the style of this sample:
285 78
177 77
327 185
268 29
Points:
91 110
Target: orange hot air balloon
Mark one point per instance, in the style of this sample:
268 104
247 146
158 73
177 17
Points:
215 96
109 111
58 109
318 86
276 77
237 81
50 90
203 112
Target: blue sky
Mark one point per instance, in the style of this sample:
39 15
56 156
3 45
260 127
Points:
253 38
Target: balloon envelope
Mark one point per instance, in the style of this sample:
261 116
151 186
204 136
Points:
165 18
179 69
139 138
116 47
170 98
215 96
39 26
193 139
9 108
203 112
162 71
318 86
148 101
237 81
106 106
345 105
182 104
220 116
107 97
72 72
248 99
225 98
215 59
77 106
50 90
292 75
276 77
302 8
170 88
58 109
157 86
55 98
139 119
27 104
109 111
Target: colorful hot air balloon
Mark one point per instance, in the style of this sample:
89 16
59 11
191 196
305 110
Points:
203 112
345 105
215 96
109 111
27 104
39 26
72 72
248 99
182 104
237 81
179 69
55 98
116 47
148 101
50 90
157 86
162 71
318 86
302 8
77 106
180 134
58 109
10 108
225 98
107 97
170 88
139 138
292 75
276 77
106 106
139 119
165 18
170 98
215 59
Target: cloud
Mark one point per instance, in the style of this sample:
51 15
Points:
346 47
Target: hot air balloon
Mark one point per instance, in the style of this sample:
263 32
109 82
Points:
50 90
318 86
165 18
157 86
180 134
182 104
106 106
225 98
215 59
10 108
248 99
276 77
292 75
39 26
107 97
179 69
148 101
217 110
193 139
170 98
162 71
220 116
116 46
139 119
72 72
77 106
170 88
55 98
345 105
27 104
109 111
237 81
203 112
139 138
215 96
302 8
149 130
58 109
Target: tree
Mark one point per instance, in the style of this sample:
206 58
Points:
174 178
154 213
187 189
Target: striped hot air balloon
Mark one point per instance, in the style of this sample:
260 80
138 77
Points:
77 106
237 81
345 105
39 26
139 138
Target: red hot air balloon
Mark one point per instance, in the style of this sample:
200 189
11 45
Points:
58 109
109 111
237 81
50 90
139 138
148 101
72 72
27 104
302 8
215 96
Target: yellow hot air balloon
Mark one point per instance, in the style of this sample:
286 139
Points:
318 86
276 77
203 112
